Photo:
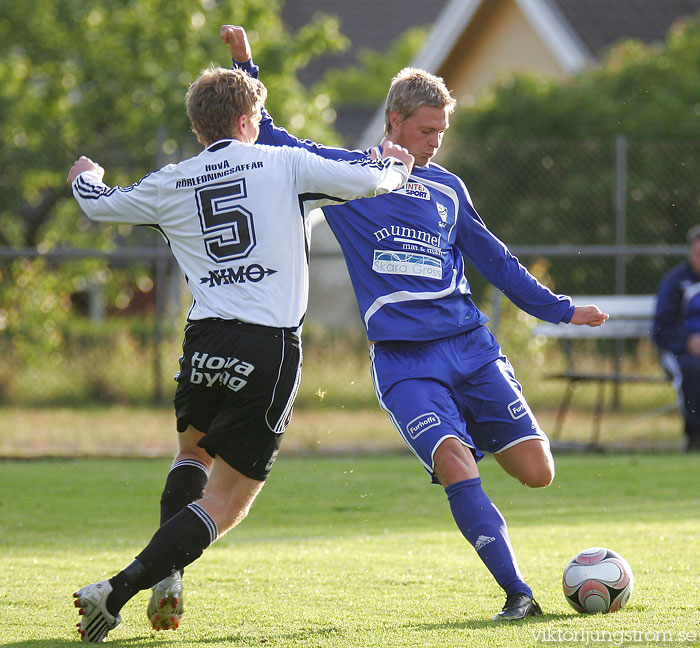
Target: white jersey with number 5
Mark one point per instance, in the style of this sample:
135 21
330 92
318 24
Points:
236 219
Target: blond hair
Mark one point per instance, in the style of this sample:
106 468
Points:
217 98
412 88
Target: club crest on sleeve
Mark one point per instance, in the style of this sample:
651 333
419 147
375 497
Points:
442 213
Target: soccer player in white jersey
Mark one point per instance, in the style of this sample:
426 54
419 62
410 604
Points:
438 371
235 218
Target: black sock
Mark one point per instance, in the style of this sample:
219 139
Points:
185 484
125 584
179 542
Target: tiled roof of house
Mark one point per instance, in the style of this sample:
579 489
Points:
601 23
370 24
592 24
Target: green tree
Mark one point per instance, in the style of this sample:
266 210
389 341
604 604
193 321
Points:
539 157
642 91
366 83
107 79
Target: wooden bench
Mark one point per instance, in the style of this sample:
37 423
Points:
631 317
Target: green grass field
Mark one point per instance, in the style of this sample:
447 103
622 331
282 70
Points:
121 431
354 552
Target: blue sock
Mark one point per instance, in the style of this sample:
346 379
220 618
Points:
482 524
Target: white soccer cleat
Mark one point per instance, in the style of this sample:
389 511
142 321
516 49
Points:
165 608
96 621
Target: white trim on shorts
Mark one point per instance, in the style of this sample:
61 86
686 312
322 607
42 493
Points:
539 432
428 467
540 437
292 395
378 394
439 443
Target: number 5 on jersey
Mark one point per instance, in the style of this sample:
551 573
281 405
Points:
229 225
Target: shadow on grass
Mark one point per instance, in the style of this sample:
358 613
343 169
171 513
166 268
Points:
240 638
144 640
306 636
310 634
488 623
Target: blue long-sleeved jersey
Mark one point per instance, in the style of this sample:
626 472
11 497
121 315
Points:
405 253
677 308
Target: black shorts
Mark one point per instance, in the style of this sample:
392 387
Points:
237 384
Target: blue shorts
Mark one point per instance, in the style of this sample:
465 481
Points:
462 387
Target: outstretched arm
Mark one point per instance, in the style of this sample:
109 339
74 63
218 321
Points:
137 204
324 181
588 315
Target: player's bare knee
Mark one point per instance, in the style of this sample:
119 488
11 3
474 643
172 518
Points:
453 462
225 513
446 465
541 472
539 482
537 478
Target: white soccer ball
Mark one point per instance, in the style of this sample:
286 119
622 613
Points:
597 580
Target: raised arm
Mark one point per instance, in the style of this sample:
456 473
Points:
241 56
238 44
391 150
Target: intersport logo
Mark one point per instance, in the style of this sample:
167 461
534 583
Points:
414 190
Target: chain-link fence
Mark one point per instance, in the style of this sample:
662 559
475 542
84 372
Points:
82 325
595 217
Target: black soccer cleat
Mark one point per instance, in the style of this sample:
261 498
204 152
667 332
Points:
518 606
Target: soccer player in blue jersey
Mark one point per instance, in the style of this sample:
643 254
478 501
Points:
438 371
677 334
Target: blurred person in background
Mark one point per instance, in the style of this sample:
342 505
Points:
677 335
